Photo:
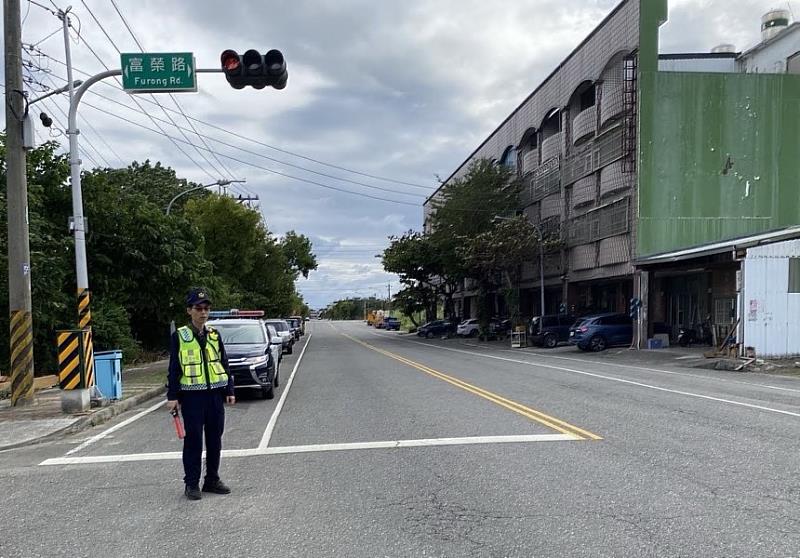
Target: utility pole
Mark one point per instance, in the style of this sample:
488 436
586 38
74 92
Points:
389 302
19 253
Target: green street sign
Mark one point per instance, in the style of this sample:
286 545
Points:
158 72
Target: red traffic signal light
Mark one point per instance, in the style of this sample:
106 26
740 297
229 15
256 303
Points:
254 70
232 66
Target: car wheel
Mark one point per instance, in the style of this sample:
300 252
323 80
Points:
275 379
550 341
289 350
597 343
473 333
429 335
267 393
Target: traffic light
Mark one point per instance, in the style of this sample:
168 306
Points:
46 120
633 308
254 69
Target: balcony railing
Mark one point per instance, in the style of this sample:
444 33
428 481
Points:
584 125
552 146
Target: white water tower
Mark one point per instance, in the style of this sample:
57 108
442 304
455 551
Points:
724 48
773 22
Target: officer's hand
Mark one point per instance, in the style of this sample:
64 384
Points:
231 399
172 405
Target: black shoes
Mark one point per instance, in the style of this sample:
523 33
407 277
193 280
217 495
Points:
217 487
192 492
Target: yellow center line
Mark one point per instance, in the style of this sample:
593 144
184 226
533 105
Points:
532 414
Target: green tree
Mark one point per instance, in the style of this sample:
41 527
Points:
297 249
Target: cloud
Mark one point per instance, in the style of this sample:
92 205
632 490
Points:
404 90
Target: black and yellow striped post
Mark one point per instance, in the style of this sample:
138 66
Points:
85 324
84 313
21 357
71 357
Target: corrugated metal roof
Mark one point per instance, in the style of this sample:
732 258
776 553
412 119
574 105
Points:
720 247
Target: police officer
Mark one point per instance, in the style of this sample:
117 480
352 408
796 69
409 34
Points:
198 383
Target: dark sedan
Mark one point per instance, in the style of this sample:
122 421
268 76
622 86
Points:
250 356
436 328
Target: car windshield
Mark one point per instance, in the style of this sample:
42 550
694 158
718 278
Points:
279 325
240 334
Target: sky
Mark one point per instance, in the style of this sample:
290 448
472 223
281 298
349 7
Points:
399 92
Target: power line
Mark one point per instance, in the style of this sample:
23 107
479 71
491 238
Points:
99 59
42 6
94 130
171 96
254 165
263 144
261 155
84 150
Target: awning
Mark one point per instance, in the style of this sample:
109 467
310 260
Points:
720 247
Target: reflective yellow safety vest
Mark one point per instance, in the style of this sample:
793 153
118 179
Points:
199 370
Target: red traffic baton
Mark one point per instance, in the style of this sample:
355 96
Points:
178 425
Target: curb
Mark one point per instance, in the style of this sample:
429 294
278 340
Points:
95 419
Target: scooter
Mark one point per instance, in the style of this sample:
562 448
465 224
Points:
686 336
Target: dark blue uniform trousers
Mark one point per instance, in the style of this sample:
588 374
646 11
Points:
203 411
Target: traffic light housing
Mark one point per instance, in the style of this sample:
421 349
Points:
254 69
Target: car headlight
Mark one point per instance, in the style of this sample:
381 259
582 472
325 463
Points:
257 360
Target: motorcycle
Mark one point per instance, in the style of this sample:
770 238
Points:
700 333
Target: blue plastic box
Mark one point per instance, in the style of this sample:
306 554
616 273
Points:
108 373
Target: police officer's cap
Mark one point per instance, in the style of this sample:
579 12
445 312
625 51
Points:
197 295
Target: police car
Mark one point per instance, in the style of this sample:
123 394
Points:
253 354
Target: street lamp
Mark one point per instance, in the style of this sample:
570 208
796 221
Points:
541 258
217 183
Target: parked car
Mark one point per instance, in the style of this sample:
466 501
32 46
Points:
390 323
250 354
499 327
284 331
300 322
436 328
550 330
276 342
595 333
294 326
468 328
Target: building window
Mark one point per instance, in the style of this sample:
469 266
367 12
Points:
794 275
509 159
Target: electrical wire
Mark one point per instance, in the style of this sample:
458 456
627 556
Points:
40 41
89 145
95 132
261 143
136 101
114 44
254 165
261 155
86 144
171 96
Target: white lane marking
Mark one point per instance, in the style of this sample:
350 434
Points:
614 379
426 443
644 368
274 418
284 450
116 427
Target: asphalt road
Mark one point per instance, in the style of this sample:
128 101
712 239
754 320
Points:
388 445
